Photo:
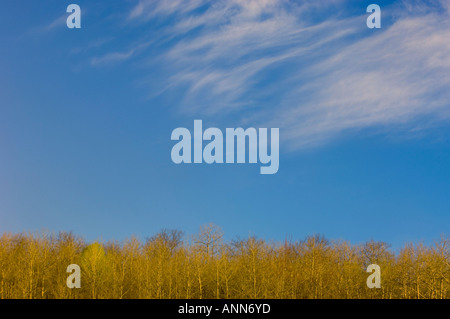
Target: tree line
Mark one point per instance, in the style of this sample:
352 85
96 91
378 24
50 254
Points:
205 266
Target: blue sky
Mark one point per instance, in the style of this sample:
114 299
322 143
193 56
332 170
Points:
86 117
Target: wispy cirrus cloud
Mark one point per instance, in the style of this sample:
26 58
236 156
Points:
57 23
146 9
119 56
112 57
305 66
395 78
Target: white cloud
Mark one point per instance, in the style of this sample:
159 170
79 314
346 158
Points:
111 58
304 66
147 9
57 23
117 57
393 78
